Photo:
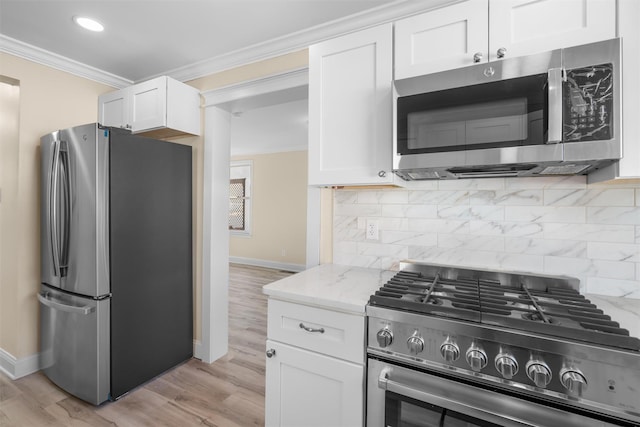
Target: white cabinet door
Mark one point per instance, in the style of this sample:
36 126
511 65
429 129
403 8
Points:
441 39
308 389
113 109
629 30
350 109
149 105
523 27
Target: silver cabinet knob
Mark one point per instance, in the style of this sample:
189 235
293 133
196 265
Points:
415 344
477 57
501 52
539 373
384 337
573 381
507 365
449 351
270 353
382 174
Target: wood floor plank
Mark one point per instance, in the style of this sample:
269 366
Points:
226 393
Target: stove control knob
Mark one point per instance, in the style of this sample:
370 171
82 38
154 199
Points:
384 337
574 381
539 373
449 351
507 365
415 344
476 358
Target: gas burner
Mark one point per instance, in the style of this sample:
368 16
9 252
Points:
432 300
537 317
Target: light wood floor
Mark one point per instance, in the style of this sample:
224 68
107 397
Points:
228 392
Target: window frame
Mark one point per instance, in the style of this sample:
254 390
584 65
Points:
243 169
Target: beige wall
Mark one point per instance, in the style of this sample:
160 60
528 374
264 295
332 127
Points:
279 210
9 137
49 100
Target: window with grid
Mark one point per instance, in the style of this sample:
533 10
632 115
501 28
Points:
240 197
237 204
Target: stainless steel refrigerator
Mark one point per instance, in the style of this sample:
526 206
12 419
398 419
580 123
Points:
116 260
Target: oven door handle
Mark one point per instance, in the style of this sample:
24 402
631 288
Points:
386 383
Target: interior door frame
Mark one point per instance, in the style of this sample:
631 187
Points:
215 241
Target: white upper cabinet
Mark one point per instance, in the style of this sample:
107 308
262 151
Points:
161 107
350 109
113 108
442 39
523 27
486 30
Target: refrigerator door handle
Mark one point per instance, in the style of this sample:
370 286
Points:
45 299
53 209
63 256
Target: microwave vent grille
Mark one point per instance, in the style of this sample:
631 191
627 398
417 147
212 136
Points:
564 169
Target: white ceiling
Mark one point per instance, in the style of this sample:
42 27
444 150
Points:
187 39
270 129
147 38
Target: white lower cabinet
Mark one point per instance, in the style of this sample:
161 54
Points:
304 388
315 370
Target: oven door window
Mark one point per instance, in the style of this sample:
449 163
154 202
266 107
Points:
504 113
402 411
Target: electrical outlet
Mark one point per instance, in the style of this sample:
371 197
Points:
372 232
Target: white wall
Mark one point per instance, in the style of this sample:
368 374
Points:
558 225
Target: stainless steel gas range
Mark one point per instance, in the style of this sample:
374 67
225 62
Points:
449 346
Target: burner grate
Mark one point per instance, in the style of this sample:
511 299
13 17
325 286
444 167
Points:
545 309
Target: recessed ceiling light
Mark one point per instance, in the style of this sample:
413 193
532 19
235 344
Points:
88 23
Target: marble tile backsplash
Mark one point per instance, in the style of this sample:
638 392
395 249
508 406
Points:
555 225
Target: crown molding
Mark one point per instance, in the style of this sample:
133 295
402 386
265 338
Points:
265 50
59 62
303 39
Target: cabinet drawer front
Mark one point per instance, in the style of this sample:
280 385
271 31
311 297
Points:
323 331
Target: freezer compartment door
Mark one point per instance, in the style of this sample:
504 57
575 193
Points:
74 341
74 218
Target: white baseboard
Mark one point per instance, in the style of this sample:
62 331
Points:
18 368
197 349
267 264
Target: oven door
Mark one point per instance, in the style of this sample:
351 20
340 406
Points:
400 396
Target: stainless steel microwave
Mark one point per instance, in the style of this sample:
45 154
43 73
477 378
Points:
553 113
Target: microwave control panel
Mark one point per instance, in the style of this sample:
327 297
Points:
588 104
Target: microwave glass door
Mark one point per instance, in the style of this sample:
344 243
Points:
503 113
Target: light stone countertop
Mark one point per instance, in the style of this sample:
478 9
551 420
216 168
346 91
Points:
345 288
332 286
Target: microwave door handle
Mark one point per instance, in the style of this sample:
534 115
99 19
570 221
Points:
555 79
53 208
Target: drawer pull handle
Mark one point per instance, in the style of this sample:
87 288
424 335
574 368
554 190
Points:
308 329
